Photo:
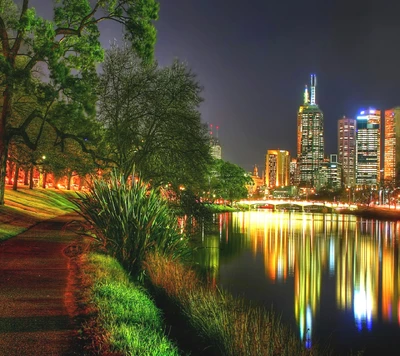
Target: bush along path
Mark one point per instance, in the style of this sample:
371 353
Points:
37 283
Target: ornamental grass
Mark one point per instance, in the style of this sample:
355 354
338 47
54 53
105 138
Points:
129 219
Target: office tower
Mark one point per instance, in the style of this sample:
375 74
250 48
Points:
347 150
392 144
368 148
216 149
329 175
310 137
294 172
277 164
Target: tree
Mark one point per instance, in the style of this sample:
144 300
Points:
229 181
66 50
152 121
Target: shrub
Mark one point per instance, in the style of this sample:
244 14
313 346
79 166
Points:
129 219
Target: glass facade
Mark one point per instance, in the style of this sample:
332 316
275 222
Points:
392 143
277 167
368 147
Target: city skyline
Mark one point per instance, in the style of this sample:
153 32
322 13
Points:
253 62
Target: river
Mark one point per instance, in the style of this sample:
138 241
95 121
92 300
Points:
332 278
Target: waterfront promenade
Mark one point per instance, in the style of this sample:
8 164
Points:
37 284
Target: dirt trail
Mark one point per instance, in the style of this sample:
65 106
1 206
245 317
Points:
37 283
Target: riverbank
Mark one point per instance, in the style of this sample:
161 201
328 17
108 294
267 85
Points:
367 212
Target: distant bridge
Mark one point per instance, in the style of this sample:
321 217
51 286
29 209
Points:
294 205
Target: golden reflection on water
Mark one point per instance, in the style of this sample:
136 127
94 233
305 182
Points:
361 255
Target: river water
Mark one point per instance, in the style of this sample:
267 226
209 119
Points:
332 278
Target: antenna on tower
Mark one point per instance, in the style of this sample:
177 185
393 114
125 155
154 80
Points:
211 128
217 127
313 87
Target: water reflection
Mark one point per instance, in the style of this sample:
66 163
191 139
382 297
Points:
356 259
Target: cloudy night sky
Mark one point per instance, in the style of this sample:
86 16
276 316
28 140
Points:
253 59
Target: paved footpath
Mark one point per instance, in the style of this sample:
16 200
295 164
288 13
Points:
37 283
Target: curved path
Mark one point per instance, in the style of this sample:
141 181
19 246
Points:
37 284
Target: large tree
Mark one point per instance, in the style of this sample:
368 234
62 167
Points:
56 59
228 181
152 120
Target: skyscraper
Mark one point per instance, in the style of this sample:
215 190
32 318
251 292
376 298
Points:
277 164
347 150
392 143
368 147
310 137
216 150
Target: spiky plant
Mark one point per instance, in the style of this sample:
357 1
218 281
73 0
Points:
130 219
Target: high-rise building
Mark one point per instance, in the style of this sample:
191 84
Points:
310 137
329 175
216 149
368 147
347 150
392 143
277 164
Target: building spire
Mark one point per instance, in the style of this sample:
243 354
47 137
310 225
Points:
306 97
313 87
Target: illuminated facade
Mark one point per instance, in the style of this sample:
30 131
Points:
294 172
277 164
216 149
310 137
368 147
392 143
329 175
347 150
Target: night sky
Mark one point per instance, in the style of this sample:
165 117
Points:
253 59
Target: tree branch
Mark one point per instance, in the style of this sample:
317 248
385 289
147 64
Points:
17 44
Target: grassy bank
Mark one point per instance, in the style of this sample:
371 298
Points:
26 207
226 325
124 320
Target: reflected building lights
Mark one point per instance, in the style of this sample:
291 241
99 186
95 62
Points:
362 256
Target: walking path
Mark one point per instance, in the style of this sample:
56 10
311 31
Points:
37 283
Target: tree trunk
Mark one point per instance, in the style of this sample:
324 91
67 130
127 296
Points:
44 179
16 176
31 177
69 177
4 140
26 176
3 167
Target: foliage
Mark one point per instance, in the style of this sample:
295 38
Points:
129 219
152 120
230 326
126 320
228 181
44 64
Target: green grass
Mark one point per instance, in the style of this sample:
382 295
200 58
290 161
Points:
126 320
25 207
217 208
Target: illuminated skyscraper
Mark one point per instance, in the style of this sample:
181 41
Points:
277 164
392 143
368 147
347 149
310 137
216 149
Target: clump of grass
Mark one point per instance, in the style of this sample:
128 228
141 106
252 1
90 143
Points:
126 321
229 325
129 219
